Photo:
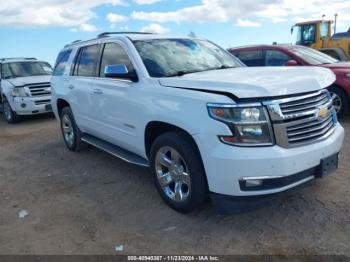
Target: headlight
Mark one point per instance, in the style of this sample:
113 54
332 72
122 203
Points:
19 92
249 124
348 75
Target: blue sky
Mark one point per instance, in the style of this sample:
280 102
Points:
40 28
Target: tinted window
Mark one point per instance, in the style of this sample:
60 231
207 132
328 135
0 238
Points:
87 61
251 58
61 62
114 54
276 58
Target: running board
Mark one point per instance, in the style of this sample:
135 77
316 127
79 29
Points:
115 150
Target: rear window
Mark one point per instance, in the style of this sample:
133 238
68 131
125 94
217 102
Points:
251 58
61 62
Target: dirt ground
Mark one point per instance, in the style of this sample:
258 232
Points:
90 202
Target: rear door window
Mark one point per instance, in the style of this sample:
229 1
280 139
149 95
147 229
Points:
251 58
61 62
87 61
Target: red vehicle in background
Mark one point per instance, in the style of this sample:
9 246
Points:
294 55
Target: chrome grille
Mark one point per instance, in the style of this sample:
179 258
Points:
41 89
303 119
304 105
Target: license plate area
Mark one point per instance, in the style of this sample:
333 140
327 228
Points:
328 165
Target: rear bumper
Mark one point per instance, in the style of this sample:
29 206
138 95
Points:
31 105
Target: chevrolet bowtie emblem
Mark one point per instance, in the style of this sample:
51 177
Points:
323 112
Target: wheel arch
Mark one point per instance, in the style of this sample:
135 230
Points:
61 103
156 128
347 95
337 50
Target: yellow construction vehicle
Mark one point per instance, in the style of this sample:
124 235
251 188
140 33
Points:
318 35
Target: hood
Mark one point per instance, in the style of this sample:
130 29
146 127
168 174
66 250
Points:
21 81
252 82
340 65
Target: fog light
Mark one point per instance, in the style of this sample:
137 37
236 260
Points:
23 105
253 182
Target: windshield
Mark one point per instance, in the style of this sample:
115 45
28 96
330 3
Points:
176 57
312 56
24 69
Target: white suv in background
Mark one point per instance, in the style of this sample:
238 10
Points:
24 87
204 124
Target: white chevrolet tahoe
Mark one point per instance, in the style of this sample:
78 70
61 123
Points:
24 87
205 124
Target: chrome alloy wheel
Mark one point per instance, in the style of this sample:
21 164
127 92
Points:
68 131
173 174
337 103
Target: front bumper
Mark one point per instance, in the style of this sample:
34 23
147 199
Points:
226 165
31 105
239 204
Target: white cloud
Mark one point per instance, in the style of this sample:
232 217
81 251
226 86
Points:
116 18
154 28
87 28
84 28
33 13
247 23
275 11
146 2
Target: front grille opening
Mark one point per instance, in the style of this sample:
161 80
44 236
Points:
41 89
305 119
43 102
304 105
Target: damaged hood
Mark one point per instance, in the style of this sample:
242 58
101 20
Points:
253 82
22 81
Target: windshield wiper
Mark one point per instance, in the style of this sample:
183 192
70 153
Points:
182 72
224 67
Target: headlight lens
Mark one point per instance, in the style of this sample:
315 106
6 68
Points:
250 125
19 92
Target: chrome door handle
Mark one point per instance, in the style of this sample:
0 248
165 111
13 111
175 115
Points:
71 87
98 91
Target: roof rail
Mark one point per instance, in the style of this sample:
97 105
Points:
105 34
74 42
17 58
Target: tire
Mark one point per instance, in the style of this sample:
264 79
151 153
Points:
340 100
9 115
70 131
183 193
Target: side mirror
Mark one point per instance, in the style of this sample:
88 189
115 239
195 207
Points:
291 63
120 71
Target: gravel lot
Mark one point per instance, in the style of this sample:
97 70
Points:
90 202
